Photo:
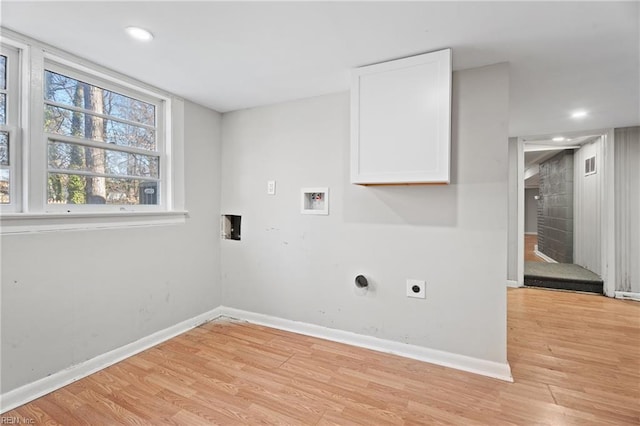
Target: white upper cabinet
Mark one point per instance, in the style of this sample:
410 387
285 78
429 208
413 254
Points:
401 120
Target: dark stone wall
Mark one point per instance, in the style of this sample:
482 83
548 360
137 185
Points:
555 208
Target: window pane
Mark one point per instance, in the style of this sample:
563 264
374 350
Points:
3 72
76 157
76 189
3 108
4 186
69 91
65 122
4 148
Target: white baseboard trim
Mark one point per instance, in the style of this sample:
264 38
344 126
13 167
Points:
493 369
31 391
543 256
627 295
513 284
46 385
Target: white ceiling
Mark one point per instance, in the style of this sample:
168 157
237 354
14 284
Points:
538 149
235 55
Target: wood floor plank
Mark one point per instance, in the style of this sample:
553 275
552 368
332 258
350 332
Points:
335 418
207 411
146 406
184 417
107 403
575 359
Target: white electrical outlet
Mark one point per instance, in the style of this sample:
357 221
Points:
417 289
271 187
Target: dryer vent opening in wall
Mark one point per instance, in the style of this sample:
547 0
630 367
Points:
230 227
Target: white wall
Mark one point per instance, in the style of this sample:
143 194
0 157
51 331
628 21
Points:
70 296
587 205
302 267
531 210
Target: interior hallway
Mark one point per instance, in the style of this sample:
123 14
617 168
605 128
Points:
574 358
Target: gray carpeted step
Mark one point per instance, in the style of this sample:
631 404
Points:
561 276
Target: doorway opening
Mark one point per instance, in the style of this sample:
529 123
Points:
562 186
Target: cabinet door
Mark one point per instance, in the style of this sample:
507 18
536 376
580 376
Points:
401 120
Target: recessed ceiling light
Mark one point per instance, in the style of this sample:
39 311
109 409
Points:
579 114
558 139
139 33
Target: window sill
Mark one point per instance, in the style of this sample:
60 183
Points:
26 223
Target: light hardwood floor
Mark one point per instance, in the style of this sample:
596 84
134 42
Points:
575 360
530 242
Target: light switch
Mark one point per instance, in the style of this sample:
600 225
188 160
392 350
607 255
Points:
271 187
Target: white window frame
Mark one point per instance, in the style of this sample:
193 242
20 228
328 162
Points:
53 64
33 213
12 126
